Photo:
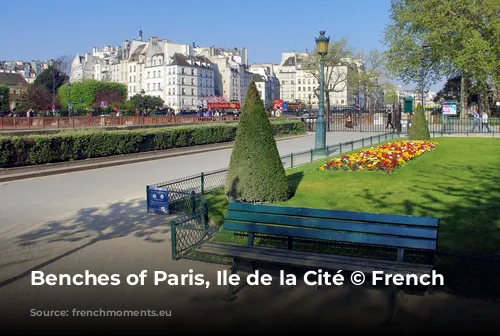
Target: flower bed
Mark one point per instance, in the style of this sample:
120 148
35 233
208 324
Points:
386 157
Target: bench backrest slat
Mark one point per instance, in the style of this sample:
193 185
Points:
336 214
320 223
344 226
331 235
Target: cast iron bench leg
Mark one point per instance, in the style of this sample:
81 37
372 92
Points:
230 294
254 266
392 296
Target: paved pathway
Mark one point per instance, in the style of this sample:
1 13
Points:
28 202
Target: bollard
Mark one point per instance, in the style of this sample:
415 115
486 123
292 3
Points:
291 160
311 155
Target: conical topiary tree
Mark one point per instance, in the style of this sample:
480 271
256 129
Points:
256 173
419 129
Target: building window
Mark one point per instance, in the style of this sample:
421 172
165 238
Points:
154 86
192 72
342 101
173 91
182 71
298 81
192 81
299 88
148 74
134 68
154 74
148 86
169 92
159 73
182 80
193 101
130 79
192 92
183 92
159 87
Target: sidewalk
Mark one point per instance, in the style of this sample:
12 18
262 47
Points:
18 173
121 238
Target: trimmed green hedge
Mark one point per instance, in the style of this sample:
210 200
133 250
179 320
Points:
84 144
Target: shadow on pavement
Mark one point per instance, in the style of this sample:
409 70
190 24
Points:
59 238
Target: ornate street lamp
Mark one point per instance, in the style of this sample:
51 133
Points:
322 49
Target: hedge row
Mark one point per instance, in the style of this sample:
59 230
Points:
84 144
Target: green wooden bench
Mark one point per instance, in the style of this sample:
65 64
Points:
396 232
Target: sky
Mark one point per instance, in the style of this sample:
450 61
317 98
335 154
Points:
266 28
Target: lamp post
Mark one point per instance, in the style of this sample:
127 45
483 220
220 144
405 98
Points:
425 46
69 99
322 49
142 94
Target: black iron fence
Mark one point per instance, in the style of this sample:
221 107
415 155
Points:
378 122
464 274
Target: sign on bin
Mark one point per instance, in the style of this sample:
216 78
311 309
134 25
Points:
158 200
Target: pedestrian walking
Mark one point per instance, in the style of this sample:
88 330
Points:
484 122
477 119
389 120
348 121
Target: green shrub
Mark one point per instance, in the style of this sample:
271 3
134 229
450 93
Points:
256 173
92 143
419 129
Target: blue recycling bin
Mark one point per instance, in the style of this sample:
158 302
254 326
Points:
157 200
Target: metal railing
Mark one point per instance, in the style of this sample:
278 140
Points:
207 181
366 122
90 121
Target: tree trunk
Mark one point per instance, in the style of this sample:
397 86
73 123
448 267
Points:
463 97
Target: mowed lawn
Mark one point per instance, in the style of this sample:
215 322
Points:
458 182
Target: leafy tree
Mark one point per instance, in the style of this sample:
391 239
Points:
256 173
368 76
419 129
390 96
119 88
35 98
109 96
84 94
462 36
335 79
4 101
149 103
51 79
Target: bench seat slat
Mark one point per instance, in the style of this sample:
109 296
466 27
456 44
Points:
336 214
322 223
332 235
307 259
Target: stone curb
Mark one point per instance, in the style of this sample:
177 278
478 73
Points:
19 173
